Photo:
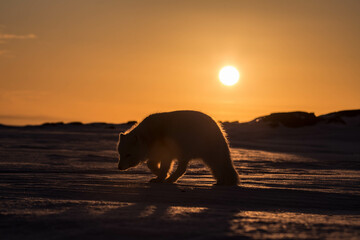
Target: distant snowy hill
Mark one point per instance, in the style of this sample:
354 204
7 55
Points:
337 132
301 119
348 117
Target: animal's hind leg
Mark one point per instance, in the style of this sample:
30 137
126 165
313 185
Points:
222 170
163 172
181 168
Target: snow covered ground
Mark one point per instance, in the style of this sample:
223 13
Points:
60 182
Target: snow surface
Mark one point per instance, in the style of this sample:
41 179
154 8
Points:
60 182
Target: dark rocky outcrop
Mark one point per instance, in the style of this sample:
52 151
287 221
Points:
289 119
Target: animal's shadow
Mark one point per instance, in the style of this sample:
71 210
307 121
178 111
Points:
185 210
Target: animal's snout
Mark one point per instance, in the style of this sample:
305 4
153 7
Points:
122 167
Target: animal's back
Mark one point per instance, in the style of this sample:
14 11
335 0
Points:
185 126
196 132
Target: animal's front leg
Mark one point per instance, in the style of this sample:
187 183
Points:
163 172
178 172
154 166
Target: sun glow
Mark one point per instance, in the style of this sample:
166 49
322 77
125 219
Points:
229 75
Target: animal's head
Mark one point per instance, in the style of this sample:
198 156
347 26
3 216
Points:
131 151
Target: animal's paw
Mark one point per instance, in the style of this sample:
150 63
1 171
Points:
156 180
169 180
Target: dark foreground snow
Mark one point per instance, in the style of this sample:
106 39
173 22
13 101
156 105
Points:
58 183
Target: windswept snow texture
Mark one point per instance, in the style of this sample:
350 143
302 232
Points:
61 181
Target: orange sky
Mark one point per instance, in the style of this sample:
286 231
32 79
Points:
116 61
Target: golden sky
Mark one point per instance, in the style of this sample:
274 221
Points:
114 61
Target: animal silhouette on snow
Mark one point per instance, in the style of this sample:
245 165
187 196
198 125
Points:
182 135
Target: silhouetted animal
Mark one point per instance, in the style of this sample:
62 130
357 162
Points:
183 135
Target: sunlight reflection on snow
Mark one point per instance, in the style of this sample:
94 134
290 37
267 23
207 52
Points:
288 225
43 207
148 211
178 212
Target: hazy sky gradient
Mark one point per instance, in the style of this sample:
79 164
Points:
116 61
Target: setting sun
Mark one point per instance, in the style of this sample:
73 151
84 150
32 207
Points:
229 75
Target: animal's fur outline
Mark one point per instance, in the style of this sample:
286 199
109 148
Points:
183 135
